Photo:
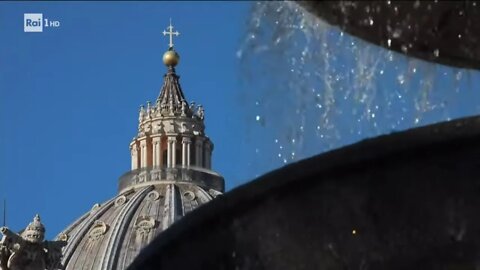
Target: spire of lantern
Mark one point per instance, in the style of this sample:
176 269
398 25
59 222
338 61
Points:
171 96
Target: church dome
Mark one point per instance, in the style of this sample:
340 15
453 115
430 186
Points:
170 176
112 234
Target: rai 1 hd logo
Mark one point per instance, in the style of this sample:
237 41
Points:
34 22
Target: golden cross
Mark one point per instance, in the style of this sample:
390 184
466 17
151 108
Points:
170 33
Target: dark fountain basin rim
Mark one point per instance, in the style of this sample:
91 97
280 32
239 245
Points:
240 199
448 27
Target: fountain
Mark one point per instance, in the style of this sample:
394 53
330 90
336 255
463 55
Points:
408 200
437 31
310 87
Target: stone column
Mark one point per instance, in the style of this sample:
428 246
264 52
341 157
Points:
169 152
134 152
174 152
143 153
186 141
156 151
199 151
171 155
189 152
184 152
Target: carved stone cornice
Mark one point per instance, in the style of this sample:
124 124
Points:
199 176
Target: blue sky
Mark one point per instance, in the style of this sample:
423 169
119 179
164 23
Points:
69 97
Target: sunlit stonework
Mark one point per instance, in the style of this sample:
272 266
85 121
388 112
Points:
28 250
170 176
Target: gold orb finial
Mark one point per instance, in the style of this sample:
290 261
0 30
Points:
171 58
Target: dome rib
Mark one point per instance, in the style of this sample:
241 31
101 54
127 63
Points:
204 196
121 225
171 208
77 237
130 246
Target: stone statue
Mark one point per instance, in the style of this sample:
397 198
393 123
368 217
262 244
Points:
192 106
141 114
28 250
201 112
149 110
184 108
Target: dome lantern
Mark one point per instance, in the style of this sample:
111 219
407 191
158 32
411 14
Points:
170 176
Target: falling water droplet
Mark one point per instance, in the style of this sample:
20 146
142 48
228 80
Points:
390 56
458 75
397 33
328 79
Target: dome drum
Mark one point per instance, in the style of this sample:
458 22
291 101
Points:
201 177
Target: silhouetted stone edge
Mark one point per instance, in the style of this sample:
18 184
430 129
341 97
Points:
435 25
461 132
